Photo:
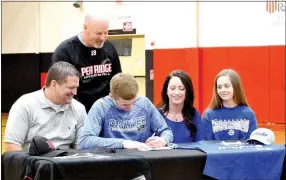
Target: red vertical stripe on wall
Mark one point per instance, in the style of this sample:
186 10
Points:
200 81
252 64
213 61
277 84
193 65
43 79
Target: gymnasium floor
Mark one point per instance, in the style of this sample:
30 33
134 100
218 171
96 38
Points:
279 130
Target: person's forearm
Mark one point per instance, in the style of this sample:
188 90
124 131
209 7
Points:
12 147
90 142
168 136
208 132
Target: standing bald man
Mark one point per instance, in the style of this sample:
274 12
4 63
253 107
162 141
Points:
95 58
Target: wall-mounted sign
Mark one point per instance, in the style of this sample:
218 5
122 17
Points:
127 26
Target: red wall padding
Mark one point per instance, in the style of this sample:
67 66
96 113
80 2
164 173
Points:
166 60
277 84
262 70
43 78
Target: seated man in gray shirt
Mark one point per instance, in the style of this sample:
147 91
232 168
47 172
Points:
50 112
123 120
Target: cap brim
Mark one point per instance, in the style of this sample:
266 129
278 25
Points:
55 153
257 139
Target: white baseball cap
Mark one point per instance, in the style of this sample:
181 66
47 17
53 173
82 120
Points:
262 135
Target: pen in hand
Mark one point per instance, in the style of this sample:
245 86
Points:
150 138
154 132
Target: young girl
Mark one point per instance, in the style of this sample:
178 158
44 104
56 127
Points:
228 117
178 110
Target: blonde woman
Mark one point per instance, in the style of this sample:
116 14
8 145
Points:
228 116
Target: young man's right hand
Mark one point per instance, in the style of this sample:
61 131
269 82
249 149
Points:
128 144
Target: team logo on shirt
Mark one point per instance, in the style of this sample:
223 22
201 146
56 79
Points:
132 125
231 132
240 145
51 145
103 69
231 125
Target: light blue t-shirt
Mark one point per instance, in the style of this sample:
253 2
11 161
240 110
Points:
181 132
107 126
235 123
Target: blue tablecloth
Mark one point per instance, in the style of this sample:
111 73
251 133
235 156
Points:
241 161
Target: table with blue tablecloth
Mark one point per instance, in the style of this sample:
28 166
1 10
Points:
175 164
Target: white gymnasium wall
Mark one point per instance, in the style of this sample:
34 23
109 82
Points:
20 32
58 21
170 24
276 23
117 14
41 26
33 27
240 24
